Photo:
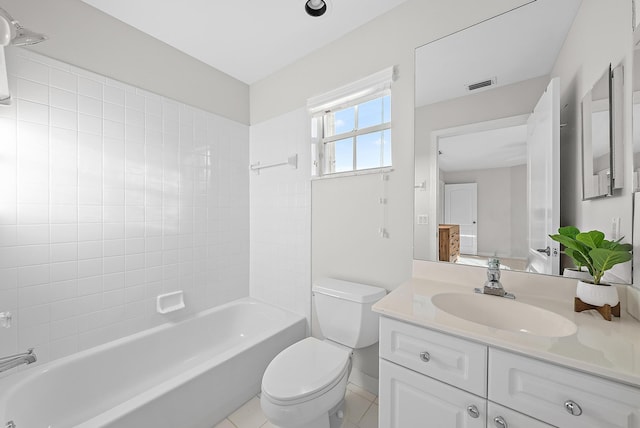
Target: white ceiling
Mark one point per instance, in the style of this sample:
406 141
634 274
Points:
247 39
496 148
515 46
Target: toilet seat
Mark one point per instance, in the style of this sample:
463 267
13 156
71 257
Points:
304 371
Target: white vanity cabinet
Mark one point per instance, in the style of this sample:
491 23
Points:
430 379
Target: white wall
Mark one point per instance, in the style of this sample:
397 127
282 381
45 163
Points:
110 196
84 36
281 213
499 215
600 35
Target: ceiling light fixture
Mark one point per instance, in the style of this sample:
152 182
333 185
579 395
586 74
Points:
315 7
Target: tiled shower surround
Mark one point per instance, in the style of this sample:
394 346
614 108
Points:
109 196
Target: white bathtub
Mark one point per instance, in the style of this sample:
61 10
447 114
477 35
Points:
191 374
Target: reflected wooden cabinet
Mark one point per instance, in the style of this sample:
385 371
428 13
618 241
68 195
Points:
449 242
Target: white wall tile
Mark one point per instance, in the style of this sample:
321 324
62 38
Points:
30 70
280 213
32 112
61 118
33 275
64 252
61 292
63 80
114 95
32 91
89 88
90 106
113 112
106 195
64 99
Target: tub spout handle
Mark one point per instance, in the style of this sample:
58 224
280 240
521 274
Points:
5 319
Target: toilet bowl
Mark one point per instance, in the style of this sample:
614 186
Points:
304 386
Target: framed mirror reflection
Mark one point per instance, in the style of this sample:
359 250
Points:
488 129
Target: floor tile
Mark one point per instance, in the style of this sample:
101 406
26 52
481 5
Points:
361 392
268 425
355 407
249 415
225 424
370 419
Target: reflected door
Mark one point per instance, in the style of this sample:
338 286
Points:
461 208
543 168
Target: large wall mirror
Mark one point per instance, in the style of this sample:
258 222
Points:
487 137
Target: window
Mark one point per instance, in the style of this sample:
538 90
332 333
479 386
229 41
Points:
352 132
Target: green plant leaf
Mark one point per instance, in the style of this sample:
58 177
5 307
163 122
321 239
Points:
592 239
569 242
622 247
578 259
604 259
570 231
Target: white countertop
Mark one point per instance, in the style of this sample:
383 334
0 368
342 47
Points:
606 348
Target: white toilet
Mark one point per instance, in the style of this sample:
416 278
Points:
304 385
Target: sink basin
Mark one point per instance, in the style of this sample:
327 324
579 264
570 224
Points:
504 314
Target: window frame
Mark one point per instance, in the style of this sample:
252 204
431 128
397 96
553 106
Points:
320 141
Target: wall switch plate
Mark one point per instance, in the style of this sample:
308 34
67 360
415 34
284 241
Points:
615 228
423 219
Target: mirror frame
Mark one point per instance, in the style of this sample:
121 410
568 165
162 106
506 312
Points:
588 173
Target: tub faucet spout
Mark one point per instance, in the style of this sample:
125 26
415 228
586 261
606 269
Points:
12 361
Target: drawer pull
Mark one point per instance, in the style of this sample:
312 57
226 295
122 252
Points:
425 356
573 408
473 411
500 422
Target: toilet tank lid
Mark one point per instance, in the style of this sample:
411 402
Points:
353 291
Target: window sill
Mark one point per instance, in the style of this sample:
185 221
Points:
382 170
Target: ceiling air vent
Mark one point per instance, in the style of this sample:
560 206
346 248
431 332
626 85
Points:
482 84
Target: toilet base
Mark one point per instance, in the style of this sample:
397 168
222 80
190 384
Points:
332 419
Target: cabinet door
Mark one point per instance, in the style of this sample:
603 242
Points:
502 417
411 400
561 396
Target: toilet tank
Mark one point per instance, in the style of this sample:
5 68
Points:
344 311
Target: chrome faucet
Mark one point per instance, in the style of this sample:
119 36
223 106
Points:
7 363
493 286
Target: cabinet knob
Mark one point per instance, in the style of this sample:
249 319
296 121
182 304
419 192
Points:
500 422
573 408
425 356
473 411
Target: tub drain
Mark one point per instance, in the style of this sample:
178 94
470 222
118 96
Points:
10 424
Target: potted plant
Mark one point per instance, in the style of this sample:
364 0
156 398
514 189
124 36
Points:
591 251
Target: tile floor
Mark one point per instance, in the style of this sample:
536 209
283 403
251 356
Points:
361 411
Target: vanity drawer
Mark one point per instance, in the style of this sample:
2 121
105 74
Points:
549 392
455 361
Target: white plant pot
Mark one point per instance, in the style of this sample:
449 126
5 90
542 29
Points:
597 295
582 275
